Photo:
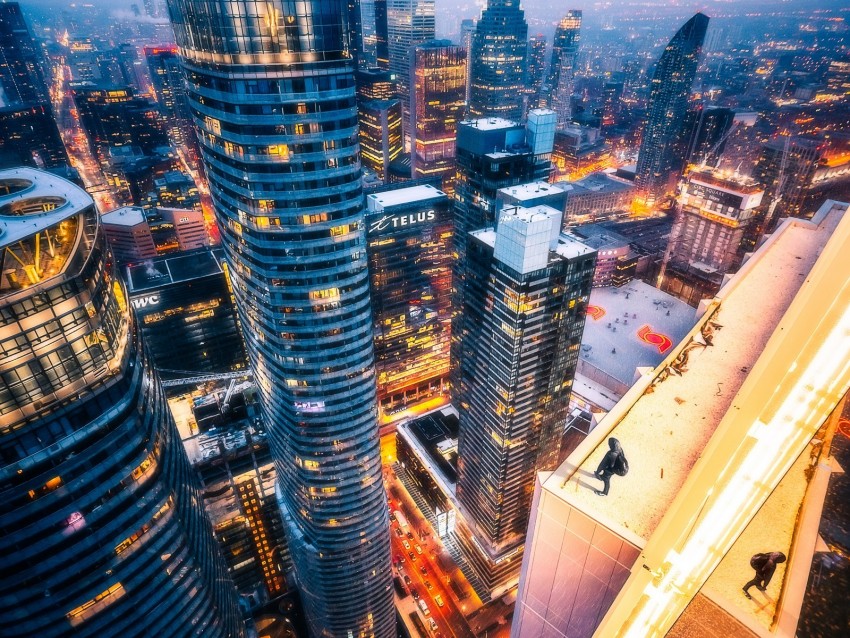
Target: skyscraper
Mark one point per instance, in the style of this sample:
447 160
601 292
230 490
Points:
437 101
279 143
536 67
526 289
663 147
28 132
467 32
499 53
168 83
382 50
102 527
409 22
562 66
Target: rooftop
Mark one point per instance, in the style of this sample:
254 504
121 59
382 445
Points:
125 216
534 190
599 237
603 182
631 327
378 202
32 200
164 271
490 123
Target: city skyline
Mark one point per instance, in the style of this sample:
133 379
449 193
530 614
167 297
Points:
424 318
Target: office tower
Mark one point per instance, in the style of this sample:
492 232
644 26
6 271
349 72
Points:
28 132
409 22
103 530
467 31
526 291
22 80
707 240
380 135
728 445
291 217
562 66
437 101
170 91
578 152
711 128
536 68
663 146
114 117
375 84
493 154
382 49
499 53
355 31
786 168
409 236
186 314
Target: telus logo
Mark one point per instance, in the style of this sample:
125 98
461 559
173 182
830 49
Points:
400 221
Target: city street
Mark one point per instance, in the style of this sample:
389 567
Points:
451 617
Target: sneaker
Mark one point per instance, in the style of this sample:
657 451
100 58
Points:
600 493
747 594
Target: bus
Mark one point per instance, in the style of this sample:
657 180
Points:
402 521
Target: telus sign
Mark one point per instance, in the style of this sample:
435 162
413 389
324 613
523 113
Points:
400 221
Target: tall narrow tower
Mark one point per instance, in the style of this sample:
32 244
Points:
277 120
102 527
562 66
499 53
664 144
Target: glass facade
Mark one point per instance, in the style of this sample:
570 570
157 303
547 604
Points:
663 147
409 233
437 102
499 53
271 90
102 529
562 66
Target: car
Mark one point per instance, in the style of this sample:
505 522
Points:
439 600
398 532
424 607
433 624
415 593
410 534
418 549
407 580
412 556
399 559
428 584
423 570
405 543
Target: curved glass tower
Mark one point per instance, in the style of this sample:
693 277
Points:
499 52
664 145
102 528
271 90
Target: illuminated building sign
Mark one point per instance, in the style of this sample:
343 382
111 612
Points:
400 221
144 302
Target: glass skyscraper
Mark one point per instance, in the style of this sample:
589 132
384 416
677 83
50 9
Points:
499 53
562 66
271 90
664 144
102 526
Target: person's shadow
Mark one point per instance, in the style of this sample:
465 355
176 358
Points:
585 484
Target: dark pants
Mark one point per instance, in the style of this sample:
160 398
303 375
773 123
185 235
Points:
605 477
759 581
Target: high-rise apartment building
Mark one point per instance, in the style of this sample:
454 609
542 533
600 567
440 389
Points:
499 54
379 114
526 291
707 240
467 32
170 91
409 235
409 22
562 66
728 446
285 180
437 103
536 67
710 130
102 527
663 147
28 132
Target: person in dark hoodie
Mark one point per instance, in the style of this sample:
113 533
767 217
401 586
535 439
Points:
614 462
765 565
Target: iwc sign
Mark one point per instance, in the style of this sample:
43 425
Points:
144 302
400 221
